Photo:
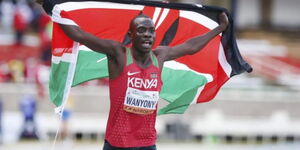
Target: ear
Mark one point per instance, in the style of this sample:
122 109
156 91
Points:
129 33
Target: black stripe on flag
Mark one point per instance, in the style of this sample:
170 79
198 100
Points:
170 34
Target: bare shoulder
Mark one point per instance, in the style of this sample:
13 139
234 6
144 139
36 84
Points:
161 50
118 51
161 53
116 62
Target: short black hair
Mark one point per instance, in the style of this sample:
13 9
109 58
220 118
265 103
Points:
140 15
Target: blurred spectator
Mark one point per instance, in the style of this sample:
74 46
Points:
44 25
41 79
28 108
17 70
38 73
19 26
5 74
22 18
31 69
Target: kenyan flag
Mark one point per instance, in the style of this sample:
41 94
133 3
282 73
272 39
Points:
188 80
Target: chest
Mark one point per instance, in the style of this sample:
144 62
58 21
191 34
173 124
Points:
142 78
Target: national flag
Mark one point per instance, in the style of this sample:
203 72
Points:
187 80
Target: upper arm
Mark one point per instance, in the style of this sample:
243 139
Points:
105 46
166 53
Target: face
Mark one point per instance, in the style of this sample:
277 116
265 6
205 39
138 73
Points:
142 34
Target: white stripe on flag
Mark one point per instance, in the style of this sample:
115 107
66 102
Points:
156 14
179 66
98 61
70 77
198 94
69 6
84 48
162 17
196 17
66 57
223 62
58 19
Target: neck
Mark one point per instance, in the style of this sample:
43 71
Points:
141 58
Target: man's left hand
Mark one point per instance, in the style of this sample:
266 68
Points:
223 20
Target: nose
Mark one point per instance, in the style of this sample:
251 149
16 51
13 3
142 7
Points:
147 33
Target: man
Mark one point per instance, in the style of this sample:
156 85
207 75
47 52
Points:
135 79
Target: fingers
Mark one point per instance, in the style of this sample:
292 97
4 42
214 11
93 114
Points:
223 17
223 20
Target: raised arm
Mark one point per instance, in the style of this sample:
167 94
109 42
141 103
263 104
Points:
194 44
104 46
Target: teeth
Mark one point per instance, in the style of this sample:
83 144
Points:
148 43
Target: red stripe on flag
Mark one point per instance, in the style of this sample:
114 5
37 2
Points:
65 14
149 11
60 42
109 24
211 89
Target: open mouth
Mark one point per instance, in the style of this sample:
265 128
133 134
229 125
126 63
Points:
147 43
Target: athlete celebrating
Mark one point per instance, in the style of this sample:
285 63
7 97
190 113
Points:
135 79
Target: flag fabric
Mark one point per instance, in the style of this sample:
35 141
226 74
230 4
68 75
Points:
187 80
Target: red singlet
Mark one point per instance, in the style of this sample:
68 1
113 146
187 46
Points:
133 104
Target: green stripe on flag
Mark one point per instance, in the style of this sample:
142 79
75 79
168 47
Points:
90 65
180 89
58 78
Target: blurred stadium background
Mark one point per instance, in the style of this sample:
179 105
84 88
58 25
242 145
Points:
257 111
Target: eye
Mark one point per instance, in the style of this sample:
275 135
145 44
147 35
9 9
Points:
151 30
141 30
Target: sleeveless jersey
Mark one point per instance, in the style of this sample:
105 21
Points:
133 103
